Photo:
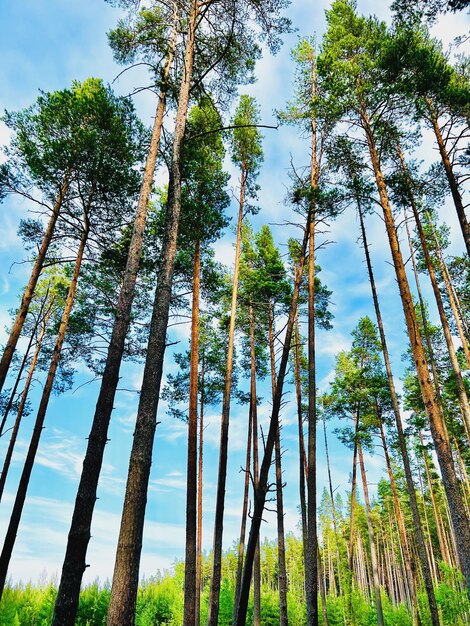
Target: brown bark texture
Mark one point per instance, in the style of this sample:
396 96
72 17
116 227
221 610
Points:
126 571
33 279
79 534
41 414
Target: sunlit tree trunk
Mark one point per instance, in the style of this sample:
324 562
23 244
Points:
22 404
441 441
33 279
260 494
281 549
461 391
454 188
41 414
191 480
423 557
373 548
79 535
199 495
222 471
126 571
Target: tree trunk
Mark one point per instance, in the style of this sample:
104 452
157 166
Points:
241 543
333 508
260 494
311 561
191 481
39 424
254 414
442 445
435 509
214 598
21 406
410 569
373 549
126 571
321 586
79 535
423 558
31 286
352 520
281 548
452 296
429 547
302 464
461 391
199 496
21 370
454 188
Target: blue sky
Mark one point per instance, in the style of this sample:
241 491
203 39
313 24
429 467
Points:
46 45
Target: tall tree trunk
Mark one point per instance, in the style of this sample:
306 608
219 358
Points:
333 508
454 188
410 569
22 404
460 321
260 494
281 548
310 557
422 553
429 546
31 286
373 549
191 481
126 570
241 542
254 414
435 509
321 586
21 370
441 442
461 391
79 535
214 598
199 495
302 463
352 520
311 561
39 424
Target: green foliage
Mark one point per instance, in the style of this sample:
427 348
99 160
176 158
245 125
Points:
454 604
246 147
160 599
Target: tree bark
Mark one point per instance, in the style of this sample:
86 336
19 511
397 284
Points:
461 391
191 481
373 548
442 445
126 571
79 535
214 598
254 414
311 561
422 553
333 508
302 462
241 542
281 549
410 569
20 371
199 496
33 279
39 424
454 188
22 404
260 494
